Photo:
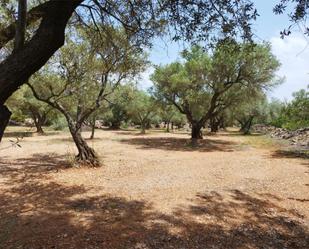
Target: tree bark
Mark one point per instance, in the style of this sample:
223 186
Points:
38 124
167 126
214 125
143 128
86 155
39 129
246 126
222 124
5 115
196 132
39 120
92 127
21 25
20 65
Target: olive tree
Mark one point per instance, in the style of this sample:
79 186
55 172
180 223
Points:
119 105
200 86
295 115
80 78
142 109
247 111
297 11
193 20
25 105
168 113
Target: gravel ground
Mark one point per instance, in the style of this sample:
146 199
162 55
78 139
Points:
153 191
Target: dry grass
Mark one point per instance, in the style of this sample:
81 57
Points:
263 141
153 191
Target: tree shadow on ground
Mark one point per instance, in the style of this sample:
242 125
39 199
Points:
137 132
129 133
181 144
36 212
37 166
22 134
61 220
292 153
236 134
18 134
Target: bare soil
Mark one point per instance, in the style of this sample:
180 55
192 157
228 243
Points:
153 191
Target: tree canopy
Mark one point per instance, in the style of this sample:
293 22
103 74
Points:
81 76
203 83
297 11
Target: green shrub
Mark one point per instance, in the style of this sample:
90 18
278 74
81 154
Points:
59 124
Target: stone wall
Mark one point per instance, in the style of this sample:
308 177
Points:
298 137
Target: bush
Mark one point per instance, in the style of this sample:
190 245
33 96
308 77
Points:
59 124
125 125
294 125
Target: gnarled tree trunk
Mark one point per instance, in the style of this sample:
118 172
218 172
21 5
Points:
38 124
214 125
246 126
39 120
86 155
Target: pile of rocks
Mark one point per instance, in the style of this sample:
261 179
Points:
298 137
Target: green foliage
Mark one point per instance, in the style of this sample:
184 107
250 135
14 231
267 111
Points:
142 109
296 114
249 111
118 105
17 107
290 115
24 105
179 119
168 114
82 75
59 124
7 12
297 17
204 84
272 113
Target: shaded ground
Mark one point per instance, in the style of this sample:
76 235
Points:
179 144
154 191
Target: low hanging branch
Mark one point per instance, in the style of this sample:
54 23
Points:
192 20
16 69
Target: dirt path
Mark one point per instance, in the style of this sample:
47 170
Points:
154 191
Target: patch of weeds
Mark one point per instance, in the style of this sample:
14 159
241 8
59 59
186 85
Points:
72 162
71 158
262 141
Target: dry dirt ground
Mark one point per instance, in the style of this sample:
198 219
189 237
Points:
153 191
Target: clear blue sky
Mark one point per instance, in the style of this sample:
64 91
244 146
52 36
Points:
292 52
